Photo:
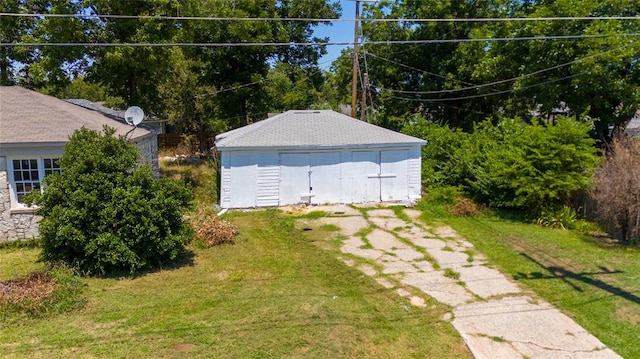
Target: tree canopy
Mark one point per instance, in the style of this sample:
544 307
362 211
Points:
581 62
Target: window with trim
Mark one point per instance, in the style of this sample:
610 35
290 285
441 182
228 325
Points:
26 175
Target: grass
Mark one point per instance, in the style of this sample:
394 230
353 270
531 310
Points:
592 280
272 294
200 174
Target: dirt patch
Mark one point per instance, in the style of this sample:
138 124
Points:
183 348
35 287
627 314
220 275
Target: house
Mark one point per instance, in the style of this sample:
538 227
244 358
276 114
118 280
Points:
633 127
158 125
33 131
316 157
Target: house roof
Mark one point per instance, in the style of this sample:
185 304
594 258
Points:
633 127
295 129
30 117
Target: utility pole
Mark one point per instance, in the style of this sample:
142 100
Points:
354 77
363 100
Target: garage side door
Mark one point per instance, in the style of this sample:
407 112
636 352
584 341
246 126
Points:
363 174
294 177
326 178
394 181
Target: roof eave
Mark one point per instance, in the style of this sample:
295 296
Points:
319 147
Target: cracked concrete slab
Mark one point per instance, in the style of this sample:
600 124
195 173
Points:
547 332
381 213
348 225
353 245
388 223
486 282
443 289
412 213
446 232
450 259
492 314
385 241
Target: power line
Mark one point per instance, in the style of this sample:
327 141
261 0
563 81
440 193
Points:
215 18
417 69
501 81
346 43
487 94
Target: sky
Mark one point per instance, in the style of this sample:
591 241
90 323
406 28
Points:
338 31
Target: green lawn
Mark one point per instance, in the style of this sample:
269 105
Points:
592 280
273 294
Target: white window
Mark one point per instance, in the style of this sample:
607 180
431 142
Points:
26 174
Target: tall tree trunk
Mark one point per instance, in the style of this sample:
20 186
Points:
4 67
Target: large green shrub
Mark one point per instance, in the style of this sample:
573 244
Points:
104 213
534 166
440 165
531 166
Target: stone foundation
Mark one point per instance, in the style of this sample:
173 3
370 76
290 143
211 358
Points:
17 224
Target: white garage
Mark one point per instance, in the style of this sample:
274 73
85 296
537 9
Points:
316 157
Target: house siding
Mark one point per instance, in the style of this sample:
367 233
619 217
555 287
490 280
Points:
415 175
278 178
268 180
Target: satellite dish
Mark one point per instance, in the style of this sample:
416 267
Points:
134 115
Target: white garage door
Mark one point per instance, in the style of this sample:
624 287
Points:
317 173
364 176
394 176
379 175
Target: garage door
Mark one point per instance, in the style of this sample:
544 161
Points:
317 173
379 176
364 175
394 176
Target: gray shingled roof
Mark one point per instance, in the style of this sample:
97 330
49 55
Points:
633 127
295 129
30 117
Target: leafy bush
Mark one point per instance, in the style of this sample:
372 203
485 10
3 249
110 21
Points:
443 195
440 154
103 214
211 230
511 163
535 166
55 290
565 217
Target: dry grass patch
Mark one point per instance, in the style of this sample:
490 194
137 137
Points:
210 229
35 287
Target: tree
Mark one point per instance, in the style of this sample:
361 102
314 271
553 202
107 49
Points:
12 29
617 189
132 73
466 79
104 214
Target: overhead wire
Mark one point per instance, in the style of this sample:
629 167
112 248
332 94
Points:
288 44
421 70
330 19
487 94
502 81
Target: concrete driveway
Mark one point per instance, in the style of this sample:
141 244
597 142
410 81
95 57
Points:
496 318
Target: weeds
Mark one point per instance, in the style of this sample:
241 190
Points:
564 218
450 273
